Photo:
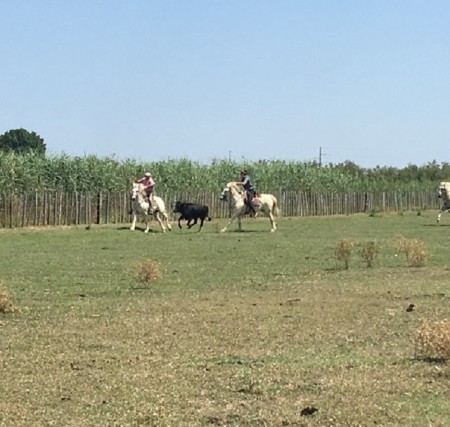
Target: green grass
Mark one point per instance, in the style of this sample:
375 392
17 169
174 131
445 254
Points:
242 329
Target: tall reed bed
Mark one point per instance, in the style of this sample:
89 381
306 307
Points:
28 173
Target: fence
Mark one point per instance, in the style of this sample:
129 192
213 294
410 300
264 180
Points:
62 208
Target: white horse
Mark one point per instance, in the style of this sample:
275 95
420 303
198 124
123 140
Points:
266 203
140 207
444 194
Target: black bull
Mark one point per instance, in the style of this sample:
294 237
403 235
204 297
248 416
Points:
191 212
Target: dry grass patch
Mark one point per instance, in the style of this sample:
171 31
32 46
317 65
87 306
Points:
146 271
343 251
432 339
414 250
369 253
6 305
216 226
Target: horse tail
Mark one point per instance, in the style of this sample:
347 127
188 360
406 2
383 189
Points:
276 209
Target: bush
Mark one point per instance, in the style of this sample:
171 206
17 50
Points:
414 250
343 251
147 271
6 305
369 252
432 340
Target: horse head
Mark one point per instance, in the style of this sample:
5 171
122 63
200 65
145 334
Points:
230 190
444 190
136 189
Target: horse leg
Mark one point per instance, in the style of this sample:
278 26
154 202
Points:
166 219
179 222
201 223
133 222
158 217
443 209
273 224
233 217
147 223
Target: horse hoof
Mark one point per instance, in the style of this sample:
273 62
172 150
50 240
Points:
223 230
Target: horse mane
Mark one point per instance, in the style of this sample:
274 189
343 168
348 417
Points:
140 187
233 185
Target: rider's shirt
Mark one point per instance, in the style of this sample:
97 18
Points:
247 183
147 181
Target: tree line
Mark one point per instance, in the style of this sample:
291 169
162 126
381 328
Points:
27 168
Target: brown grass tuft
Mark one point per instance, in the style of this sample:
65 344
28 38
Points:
369 252
6 305
433 339
216 226
343 251
414 250
147 271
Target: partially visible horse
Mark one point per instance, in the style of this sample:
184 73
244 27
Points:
266 203
140 206
444 194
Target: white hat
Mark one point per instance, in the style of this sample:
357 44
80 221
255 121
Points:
147 174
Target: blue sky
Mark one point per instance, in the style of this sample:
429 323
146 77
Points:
368 81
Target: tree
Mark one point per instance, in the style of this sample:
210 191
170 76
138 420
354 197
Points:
20 141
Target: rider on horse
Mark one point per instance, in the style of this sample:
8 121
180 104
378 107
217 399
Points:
149 185
249 188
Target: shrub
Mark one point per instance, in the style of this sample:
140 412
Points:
414 250
375 212
343 251
6 305
146 271
433 339
369 252
216 226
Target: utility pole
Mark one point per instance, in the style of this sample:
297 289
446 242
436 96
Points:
321 155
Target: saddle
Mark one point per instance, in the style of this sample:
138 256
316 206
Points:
256 203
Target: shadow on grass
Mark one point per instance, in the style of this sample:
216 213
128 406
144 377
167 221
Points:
141 229
430 359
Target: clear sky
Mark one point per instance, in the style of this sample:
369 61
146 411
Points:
366 80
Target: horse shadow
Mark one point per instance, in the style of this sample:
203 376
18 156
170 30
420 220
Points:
142 229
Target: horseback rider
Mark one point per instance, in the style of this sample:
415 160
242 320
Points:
149 185
249 188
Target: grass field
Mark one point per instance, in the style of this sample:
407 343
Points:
241 329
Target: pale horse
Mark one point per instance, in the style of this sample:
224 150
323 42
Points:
140 207
266 203
444 194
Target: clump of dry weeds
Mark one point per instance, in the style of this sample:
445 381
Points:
343 251
414 250
369 252
6 305
146 271
216 226
433 339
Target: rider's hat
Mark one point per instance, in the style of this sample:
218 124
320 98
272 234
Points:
148 174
